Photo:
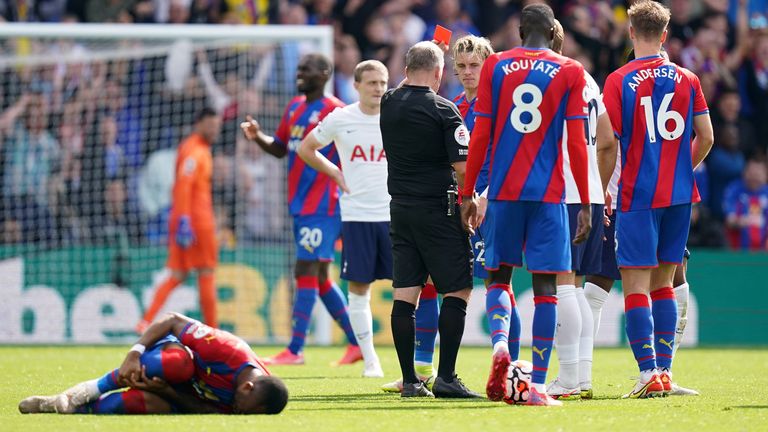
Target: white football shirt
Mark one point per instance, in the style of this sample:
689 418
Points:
358 140
595 109
613 183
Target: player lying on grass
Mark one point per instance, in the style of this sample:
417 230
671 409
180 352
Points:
179 365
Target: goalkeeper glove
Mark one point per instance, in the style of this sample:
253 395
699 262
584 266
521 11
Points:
184 234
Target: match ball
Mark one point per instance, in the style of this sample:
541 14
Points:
518 382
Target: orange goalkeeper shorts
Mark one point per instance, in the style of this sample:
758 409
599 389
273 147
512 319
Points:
203 253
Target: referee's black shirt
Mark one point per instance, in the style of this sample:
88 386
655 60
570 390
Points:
423 134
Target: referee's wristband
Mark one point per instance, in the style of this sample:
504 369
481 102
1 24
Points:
139 348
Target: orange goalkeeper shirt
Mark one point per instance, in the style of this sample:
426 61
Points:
192 189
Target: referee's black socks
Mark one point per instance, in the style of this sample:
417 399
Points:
404 335
453 313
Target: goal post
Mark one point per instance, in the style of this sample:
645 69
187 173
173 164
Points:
90 117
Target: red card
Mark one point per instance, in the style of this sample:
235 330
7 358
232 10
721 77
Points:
442 34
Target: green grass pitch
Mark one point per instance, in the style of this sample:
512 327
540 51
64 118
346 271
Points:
733 384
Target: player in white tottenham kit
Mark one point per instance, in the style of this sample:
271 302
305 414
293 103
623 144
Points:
367 254
574 337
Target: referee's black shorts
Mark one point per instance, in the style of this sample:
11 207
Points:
427 242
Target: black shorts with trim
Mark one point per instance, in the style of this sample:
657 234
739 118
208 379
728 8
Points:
427 242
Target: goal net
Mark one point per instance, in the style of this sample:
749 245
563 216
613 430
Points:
90 118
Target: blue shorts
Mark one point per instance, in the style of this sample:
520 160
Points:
367 253
169 338
645 238
586 256
478 249
315 236
541 229
608 267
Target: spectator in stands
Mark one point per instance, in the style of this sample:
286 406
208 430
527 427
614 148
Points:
727 116
31 156
321 12
100 11
753 83
205 11
155 187
403 20
597 32
725 42
346 57
356 17
508 35
38 10
448 14
179 11
725 164
128 119
706 231
746 208
259 192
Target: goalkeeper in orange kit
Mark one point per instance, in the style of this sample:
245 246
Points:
192 227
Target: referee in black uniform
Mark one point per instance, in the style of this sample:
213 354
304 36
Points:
426 144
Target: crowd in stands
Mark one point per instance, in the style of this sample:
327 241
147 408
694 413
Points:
85 146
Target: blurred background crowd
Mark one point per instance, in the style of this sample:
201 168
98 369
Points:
86 144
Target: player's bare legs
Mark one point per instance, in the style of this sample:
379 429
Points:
362 323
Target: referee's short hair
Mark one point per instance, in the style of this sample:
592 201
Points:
424 56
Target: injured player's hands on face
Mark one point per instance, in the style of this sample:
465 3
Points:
154 385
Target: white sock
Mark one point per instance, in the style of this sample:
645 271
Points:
681 295
84 392
362 324
567 335
92 389
596 297
587 339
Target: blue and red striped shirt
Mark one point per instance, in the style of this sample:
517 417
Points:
219 357
751 208
651 103
528 94
309 192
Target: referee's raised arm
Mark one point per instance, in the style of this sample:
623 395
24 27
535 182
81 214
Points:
426 144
